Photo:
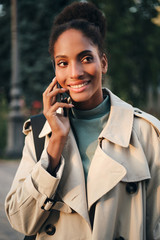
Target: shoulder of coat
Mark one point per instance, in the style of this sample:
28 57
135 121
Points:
149 118
27 126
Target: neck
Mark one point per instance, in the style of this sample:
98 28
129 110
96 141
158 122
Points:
89 104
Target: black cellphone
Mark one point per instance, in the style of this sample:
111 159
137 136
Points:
61 97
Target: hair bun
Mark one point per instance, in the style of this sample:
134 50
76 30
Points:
83 10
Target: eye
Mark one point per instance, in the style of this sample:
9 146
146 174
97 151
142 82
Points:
87 59
62 64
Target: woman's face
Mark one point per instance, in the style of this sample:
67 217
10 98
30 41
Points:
79 68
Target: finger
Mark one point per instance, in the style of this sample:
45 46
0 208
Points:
58 105
50 97
51 86
50 100
46 98
56 91
63 105
53 109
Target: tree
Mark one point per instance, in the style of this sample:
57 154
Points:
36 19
5 49
34 23
133 48
132 44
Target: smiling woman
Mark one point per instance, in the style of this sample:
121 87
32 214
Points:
98 177
79 68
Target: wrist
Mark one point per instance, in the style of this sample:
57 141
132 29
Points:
53 169
57 140
54 150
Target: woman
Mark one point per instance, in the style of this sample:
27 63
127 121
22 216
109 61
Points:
98 177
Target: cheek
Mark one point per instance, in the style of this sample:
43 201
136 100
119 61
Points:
60 77
95 71
92 70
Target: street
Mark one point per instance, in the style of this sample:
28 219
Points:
7 172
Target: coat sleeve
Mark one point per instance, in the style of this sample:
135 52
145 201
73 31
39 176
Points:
149 134
153 188
25 204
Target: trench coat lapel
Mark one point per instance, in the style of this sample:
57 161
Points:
104 174
120 122
72 185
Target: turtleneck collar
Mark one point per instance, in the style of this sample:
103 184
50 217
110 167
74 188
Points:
96 112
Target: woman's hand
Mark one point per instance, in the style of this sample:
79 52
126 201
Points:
59 124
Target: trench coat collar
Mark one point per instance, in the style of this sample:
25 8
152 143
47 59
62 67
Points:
46 128
120 122
121 114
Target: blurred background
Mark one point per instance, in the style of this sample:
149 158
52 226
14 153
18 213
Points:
132 46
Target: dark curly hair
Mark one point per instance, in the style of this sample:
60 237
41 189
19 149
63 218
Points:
82 16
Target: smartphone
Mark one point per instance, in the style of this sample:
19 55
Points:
61 97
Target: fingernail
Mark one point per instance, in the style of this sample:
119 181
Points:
71 105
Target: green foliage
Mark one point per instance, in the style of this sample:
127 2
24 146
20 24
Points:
3 123
35 20
133 48
132 45
5 49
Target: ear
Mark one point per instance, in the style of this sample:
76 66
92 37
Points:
104 63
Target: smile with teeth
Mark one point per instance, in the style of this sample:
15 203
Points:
79 85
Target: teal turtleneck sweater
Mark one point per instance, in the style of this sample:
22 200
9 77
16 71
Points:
87 126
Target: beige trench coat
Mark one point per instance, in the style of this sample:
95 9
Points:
123 186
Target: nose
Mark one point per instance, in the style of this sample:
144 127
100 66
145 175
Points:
76 70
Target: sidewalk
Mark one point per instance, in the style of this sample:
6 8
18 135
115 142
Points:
7 172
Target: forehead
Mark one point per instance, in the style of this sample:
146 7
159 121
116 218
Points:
73 41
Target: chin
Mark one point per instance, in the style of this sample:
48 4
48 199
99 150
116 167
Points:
79 98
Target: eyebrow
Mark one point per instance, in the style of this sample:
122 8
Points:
83 53
61 56
79 54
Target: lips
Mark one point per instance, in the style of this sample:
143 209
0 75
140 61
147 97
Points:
78 87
